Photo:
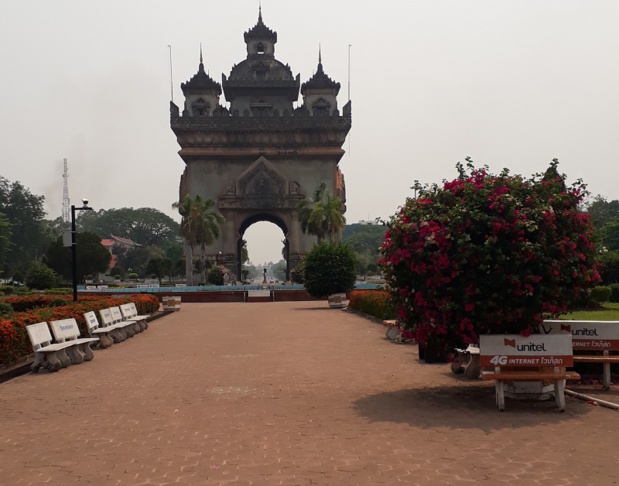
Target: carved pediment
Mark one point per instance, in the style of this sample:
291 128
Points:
261 179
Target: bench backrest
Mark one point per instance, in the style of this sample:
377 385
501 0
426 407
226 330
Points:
116 314
518 351
135 309
65 330
106 317
91 320
587 335
39 335
127 311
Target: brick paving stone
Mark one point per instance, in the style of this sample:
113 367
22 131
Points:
286 393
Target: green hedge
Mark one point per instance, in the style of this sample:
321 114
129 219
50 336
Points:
600 294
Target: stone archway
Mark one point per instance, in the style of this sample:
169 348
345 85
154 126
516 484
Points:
263 217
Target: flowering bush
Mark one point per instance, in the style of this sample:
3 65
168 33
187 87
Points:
488 254
14 342
372 302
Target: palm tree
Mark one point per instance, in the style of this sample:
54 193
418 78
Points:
322 215
200 227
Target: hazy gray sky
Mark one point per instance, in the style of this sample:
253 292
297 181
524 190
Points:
509 83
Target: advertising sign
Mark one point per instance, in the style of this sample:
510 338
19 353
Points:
535 350
587 335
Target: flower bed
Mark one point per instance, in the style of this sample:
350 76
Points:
375 303
14 342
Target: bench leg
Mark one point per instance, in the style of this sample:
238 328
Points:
472 369
137 328
39 359
105 340
560 394
117 335
75 355
64 359
500 395
606 382
86 351
54 361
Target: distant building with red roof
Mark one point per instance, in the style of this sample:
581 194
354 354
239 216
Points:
110 243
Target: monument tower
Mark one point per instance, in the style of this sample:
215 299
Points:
261 156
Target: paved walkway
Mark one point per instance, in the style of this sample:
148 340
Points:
286 393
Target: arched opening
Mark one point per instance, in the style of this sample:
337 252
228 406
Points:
267 247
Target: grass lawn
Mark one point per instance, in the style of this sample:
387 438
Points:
609 312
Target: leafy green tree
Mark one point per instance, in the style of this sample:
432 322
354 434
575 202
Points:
279 270
41 277
24 211
609 267
200 227
145 226
365 240
610 234
602 211
323 215
160 267
5 238
330 268
92 257
136 258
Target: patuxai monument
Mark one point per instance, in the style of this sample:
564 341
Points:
266 152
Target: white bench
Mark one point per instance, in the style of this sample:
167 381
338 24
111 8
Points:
48 355
118 318
94 328
590 336
118 330
130 313
67 331
550 354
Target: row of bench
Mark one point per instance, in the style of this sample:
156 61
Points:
67 346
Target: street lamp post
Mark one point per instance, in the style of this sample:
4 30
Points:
85 207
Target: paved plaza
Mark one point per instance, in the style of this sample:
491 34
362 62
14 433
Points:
286 394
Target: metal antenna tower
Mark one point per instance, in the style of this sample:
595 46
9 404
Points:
66 203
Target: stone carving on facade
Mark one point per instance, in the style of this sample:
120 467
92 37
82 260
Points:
261 179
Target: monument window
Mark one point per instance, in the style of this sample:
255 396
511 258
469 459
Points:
260 48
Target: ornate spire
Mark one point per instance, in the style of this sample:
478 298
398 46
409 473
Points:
320 80
201 80
260 31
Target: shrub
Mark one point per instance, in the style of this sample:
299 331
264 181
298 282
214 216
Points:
215 275
41 277
7 289
330 268
600 294
488 254
57 302
375 303
296 274
614 293
5 309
